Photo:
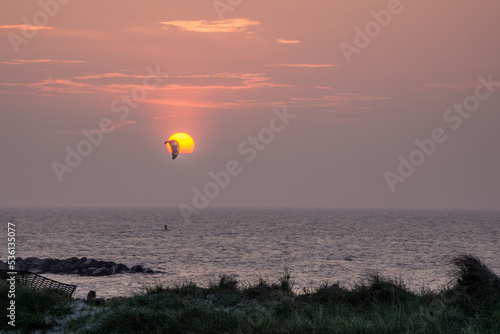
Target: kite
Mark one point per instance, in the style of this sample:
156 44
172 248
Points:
174 145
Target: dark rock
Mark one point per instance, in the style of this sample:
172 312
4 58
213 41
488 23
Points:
74 265
32 259
47 264
137 269
109 264
83 272
66 270
92 263
3 265
34 262
118 268
101 272
21 264
57 268
79 263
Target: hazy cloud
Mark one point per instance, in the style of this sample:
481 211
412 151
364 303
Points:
23 26
106 82
288 41
303 65
458 86
38 61
341 99
231 25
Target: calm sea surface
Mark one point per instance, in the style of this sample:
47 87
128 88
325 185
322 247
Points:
317 246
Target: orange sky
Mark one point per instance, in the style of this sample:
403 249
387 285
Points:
216 71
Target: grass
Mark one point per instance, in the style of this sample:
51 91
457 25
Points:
478 283
35 309
377 304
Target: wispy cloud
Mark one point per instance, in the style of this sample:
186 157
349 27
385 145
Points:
304 65
252 103
38 61
231 25
137 76
346 100
53 86
349 97
61 86
114 82
213 104
288 41
237 81
458 86
121 123
111 75
223 80
185 103
23 26
322 87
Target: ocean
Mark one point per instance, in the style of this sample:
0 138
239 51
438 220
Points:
315 245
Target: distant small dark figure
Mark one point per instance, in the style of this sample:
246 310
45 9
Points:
92 300
166 228
91 294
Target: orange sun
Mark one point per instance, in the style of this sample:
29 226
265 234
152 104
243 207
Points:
186 142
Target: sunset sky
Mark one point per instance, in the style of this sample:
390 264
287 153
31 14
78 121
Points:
335 93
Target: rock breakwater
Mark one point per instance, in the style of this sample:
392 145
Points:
73 265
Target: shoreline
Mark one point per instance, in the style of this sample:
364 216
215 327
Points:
376 304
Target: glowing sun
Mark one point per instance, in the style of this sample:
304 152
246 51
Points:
186 142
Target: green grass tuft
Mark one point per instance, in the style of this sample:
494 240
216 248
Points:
476 281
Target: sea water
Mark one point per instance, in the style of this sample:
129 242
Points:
315 245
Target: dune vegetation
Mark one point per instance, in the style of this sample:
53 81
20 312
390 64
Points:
377 304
